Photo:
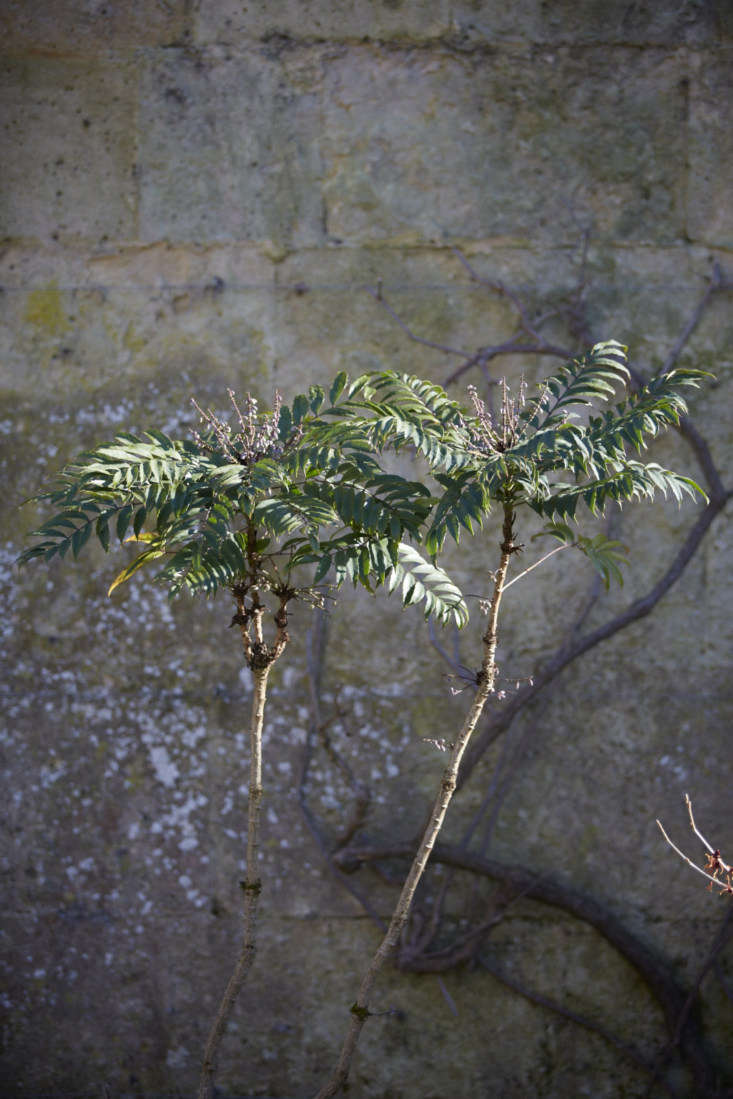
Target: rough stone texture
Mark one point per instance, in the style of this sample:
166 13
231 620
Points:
199 195
231 20
89 26
68 128
710 217
593 21
212 173
499 122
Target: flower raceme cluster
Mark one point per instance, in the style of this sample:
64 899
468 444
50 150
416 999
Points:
492 435
257 435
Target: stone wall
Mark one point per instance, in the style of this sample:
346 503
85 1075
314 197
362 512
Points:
196 194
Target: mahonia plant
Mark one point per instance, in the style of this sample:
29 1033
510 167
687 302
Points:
264 508
532 452
532 455
250 504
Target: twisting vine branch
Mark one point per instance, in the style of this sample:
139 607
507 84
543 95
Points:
552 890
626 1048
719 942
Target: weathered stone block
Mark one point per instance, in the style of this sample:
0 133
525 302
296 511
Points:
125 322
232 20
228 151
710 210
433 146
593 21
69 148
87 26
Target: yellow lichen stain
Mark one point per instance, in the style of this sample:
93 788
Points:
132 341
45 310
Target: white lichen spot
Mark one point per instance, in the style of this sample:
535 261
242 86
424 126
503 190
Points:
191 737
177 1058
165 769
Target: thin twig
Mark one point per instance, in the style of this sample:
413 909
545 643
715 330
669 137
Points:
714 860
552 552
685 858
699 835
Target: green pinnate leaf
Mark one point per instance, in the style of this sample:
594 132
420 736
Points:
322 568
316 397
420 577
337 386
102 531
139 520
123 521
300 409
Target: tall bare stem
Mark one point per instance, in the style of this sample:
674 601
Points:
485 685
251 887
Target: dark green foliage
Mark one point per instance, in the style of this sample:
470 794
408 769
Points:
532 451
272 502
535 452
303 485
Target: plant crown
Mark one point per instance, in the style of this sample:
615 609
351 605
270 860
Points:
534 451
303 486
244 506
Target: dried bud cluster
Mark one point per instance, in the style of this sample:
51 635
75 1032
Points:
720 872
255 436
487 435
